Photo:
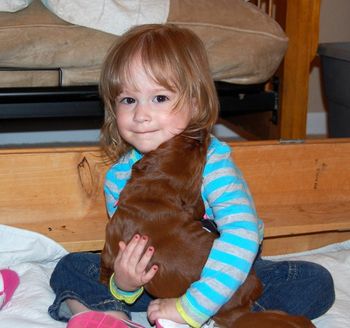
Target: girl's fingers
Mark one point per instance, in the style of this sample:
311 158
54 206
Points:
149 274
154 306
122 247
152 310
132 261
129 249
137 252
145 259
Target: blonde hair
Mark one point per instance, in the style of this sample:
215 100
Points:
175 58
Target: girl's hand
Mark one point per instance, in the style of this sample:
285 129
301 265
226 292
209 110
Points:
131 262
164 309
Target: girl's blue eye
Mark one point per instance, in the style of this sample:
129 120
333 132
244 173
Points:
127 100
160 98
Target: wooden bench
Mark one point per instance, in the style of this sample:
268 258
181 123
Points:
301 191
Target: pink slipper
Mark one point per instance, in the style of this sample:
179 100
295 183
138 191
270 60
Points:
95 319
9 281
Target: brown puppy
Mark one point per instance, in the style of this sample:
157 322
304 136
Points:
163 200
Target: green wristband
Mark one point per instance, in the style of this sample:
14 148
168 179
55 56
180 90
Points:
122 295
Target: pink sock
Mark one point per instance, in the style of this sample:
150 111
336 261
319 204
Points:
99 319
9 281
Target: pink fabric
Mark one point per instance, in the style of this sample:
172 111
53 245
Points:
10 282
95 319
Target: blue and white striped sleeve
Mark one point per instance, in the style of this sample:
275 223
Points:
116 179
228 201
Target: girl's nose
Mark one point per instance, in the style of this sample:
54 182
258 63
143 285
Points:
142 113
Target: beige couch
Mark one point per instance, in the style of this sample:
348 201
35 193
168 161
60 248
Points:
38 48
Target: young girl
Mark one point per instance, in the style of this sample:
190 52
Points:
9 281
155 83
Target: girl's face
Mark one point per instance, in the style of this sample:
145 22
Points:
145 112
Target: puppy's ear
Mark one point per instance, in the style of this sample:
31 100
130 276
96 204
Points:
106 265
108 254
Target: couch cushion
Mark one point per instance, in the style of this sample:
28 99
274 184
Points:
244 45
29 78
35 37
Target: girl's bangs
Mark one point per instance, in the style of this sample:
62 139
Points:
161 61
158 66
162 75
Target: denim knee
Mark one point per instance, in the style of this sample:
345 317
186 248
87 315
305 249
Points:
74 264
76 276
326 297
296 287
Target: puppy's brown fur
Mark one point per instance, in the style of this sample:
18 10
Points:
163 200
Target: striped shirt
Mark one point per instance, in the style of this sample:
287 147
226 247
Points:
229 203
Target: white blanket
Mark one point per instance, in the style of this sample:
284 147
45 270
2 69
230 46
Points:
34 256
112 16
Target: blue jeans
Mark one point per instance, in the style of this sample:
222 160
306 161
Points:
76 276
296 287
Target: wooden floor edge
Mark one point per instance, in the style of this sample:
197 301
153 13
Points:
298 230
